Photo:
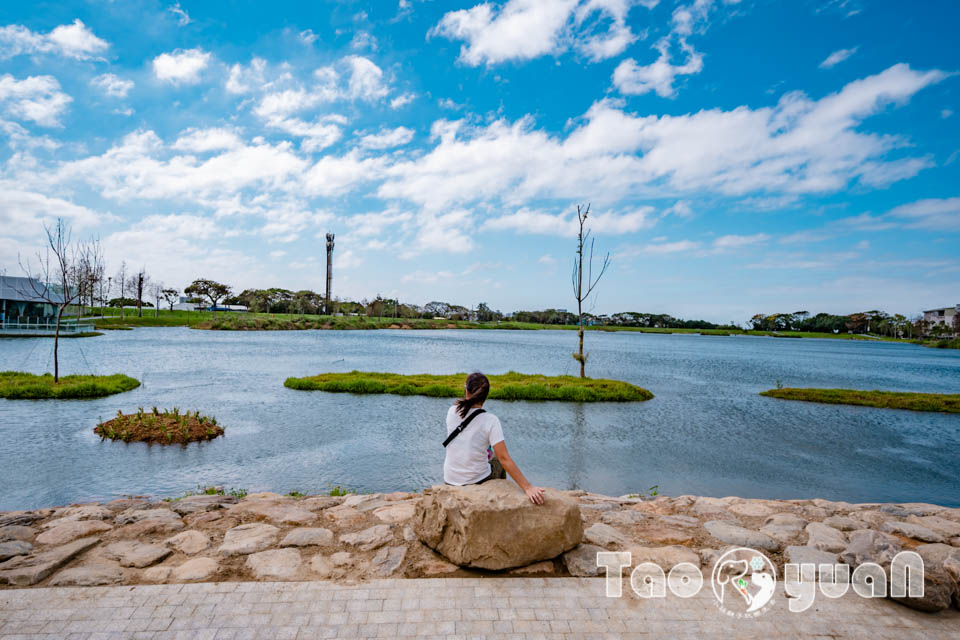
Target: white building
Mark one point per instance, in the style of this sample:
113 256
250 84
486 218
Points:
946 316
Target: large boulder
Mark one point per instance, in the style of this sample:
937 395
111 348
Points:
495 526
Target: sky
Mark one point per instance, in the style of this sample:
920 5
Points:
738 156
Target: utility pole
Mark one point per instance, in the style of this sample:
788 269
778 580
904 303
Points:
327 308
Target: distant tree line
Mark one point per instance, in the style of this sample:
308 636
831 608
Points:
874 322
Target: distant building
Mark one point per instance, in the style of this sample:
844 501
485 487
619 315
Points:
186 305
945 315
19 298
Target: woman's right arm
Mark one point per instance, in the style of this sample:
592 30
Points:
534 493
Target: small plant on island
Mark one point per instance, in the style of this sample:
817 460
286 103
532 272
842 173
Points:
17 385
509 386
936 402
296 494
160 427
339 491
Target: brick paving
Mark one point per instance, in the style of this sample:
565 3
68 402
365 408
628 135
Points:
506 608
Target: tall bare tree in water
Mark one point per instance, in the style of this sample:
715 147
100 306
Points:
581 289
60 274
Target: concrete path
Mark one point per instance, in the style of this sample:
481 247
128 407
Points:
463 608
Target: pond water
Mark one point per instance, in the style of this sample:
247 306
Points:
706 432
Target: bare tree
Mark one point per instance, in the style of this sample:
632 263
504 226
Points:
156 292
57 281
581 290
139 284
122 279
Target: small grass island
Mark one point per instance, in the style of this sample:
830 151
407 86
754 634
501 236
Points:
509 386
160 427
17 385
936 402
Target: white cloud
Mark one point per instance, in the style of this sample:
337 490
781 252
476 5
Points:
182 66
799 146
71 40
530 221
373 224
728 242
527 29
946 113
662 248
23 212
333 175
449 232
633 79
203 140
837 57
387 138
402 100
427 277
546 259
112 85
308 36
932 214
246 79
35 98
277 254
183 18
366 79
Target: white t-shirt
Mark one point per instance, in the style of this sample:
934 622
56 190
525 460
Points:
466 461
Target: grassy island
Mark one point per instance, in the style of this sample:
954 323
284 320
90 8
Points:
938 402
17 385
160 427
510 386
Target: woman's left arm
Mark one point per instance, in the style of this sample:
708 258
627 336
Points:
534 493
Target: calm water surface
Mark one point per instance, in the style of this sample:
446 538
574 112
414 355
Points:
707 431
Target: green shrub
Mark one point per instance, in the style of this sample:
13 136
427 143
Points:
17 385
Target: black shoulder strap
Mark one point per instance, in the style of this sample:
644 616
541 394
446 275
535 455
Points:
463 425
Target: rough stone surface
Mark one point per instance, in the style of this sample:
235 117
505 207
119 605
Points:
87 512
667 535
308 536
495 526
343 515
946 528
17 532
319 503
804 555
321 565
431 564
939 590
598 506
911 530
14 548
545 568
824 538
369 539
395 513
843 523
27 570
275 563
732 534
388 560
581 561
680 521
200 504
342 559
248 538
624 517
603 535
159 573
137 515
90 576
72 530
195 569
148 527
136 554
750 509
866 545
280 512
189 542
784 527
664 557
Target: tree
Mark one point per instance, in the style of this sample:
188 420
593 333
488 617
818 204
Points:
209 289
156 292
122 279
581 291
139 285
57 280
170 296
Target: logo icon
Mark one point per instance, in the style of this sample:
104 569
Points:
743 581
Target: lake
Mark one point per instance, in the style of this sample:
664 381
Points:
706 432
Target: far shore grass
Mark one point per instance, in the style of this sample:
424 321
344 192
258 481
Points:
509 386
936 402
231 321
17 385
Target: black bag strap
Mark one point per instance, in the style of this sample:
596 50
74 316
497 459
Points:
463 425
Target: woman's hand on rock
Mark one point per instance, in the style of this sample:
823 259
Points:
535 494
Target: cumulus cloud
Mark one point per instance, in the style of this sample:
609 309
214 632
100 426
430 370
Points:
203 140
936 214
183 18
22 212
387 138
662 247
35 98
725 243
837 57
527 29
74 40
182 66
530 221
112 85
366 79
402 100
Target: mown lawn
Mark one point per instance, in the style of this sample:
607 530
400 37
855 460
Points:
938 402
17 385
510 386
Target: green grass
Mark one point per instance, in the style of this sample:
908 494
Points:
938 402
510 386
943 344
16 385
80 334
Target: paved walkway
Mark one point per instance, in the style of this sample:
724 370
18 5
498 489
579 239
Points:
464 608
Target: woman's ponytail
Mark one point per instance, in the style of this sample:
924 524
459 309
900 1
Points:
478 386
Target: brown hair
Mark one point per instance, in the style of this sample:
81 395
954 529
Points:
477 389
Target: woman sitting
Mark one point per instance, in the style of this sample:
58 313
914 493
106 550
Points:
476 451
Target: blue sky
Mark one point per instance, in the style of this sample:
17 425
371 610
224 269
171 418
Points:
739 156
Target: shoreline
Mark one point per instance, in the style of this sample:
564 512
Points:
357 537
